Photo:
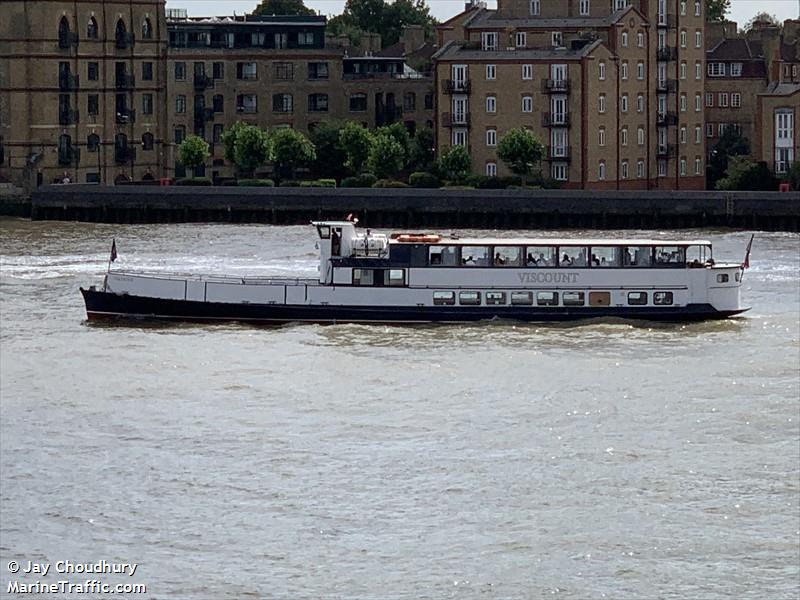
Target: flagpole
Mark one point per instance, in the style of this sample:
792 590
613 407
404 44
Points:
113 255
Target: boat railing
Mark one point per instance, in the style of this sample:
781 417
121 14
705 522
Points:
245 280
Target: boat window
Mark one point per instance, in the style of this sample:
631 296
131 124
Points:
696 256
507 256
572 256
599 298
469 298
445 256
394 277
723 278
638 256
324 232
670 255
444 298
637 298
662 298
363 277
475 256
605 256
336 241
547 298
573 298
495 298
522 298
540 256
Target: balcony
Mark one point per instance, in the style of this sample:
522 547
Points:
555 86
455 119
667 53
666 119
125 81
551 119
666 85
124 41
68 156
201 115
67 116
124 154
457 86
559 153
67 40
246 109
67 82
665 151
667 20
202 82
125 116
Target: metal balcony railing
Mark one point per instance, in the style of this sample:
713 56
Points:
67 40
555 86
124 41
68 82
665 150
559 153
666 53
456 119
457 86
202 115
68 156
125 116
125 81
551 119
666 85
124 154
202 82
667 118
67 116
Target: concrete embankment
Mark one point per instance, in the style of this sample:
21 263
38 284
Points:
421 208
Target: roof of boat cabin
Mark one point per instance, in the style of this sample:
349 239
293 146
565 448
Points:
449 241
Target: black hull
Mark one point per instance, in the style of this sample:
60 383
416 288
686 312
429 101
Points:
104 306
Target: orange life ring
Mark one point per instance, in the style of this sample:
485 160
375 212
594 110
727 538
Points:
418 238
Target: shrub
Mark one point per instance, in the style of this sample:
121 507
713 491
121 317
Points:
510 180
255 183
421 179
289 183
364 180
459 187
193 181
484 182
389 183
326 183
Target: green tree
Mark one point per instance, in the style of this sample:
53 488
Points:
193 152
731 143
386 19
793 176
521 151
290 150
331 156
454 164
717 10
229 141
356 141
399 133
422 149
763 17
282 7
386 156
251 148
745 174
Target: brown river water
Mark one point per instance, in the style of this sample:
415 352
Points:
595 460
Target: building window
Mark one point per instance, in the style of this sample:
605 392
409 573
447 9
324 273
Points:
527 104
683 167
640 39
640 103
684 70
601 171
716 69
640 136
722 100
684 36
559 171
491 104
147 141
623 136
624 70
491 169
535 7
147 30
93 71
489 40
218 70
698 70
601 103
601 136
698 135
624 39
180 104
459 137
683 103
318 70
283 103
709 130
180 134
698 166
247 71
624 169
491 137
247 103
93 104
736 69
640 70
683 135
217 133
584 7
623 105
698 39
662 168
639 169
697 9
147 104
556 39
91 29
698 102
318 103
358 103
180 71
736 100
784 125
92 142
521 39
709 99
305 38
683 8
527 72
218 103
428 101
409 102
147 71
491 72
601 71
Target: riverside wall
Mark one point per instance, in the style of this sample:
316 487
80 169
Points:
421 208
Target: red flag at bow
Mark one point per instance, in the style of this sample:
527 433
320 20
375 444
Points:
746 263
113 250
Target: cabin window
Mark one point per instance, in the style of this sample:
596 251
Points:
522 298
662 298
696 256
670 255
572 256
507 256
469 298
445 256
494 298
394 277
638 256
324 232
547 298
637 298
363 277
573 298
475 256
599 298
541 256
605 256
444 298
723 278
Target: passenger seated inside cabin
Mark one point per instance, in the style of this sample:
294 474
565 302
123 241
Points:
531 261
542 261
566 261
468 260
498 260
595 260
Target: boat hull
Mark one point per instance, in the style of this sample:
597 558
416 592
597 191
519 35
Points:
107 306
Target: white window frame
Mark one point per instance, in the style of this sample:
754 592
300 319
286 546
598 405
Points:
640 103
556 39
623 136
684 37
736 69
722 100
491 169
698 11
491 137
698 134
698 102
683 167
527 104
684 70
640 39
709 99
698 39
584 9
536 8
624 39
491 72
601 70
698 166
601 104
640 70
527 72
716 69
736 100
684 136
639 169
623 103
521 39
683 103
491 104
624 71
601 171
601 137
640 136
698 70
489 41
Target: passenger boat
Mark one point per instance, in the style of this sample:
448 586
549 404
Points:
367 277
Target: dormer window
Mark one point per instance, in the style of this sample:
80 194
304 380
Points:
736 69
557 39
489 40
521 39
620 4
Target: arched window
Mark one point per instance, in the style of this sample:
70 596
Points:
92 142
64 150
63 33
147 30
147 141
91 29
121 34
